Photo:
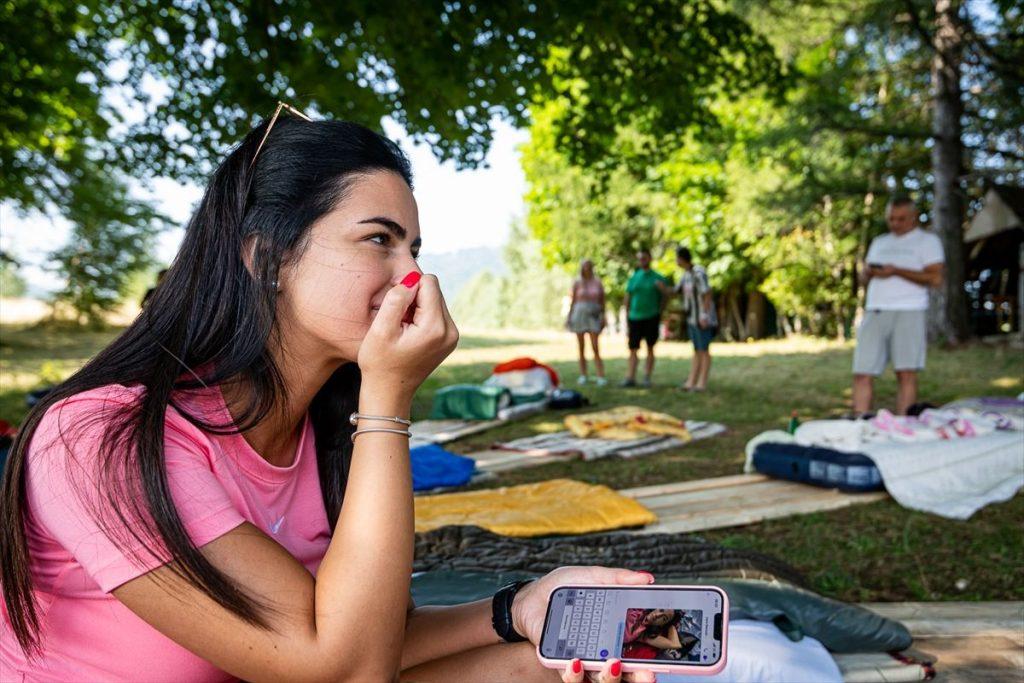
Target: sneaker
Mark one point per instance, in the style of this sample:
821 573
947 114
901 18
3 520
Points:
628 383
600 381
646 383
582 379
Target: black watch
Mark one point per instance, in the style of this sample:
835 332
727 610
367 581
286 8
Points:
501 612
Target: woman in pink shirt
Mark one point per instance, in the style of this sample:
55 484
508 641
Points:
587 318
195 504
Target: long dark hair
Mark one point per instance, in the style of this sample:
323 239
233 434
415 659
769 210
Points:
653 631
210 321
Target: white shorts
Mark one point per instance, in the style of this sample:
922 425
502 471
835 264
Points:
897 336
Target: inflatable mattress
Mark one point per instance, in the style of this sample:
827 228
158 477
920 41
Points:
851 472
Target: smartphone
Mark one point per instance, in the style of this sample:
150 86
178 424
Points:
875 266
666 629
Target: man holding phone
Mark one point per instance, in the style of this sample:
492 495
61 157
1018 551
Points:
900 267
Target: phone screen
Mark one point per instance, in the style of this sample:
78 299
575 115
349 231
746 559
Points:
634 624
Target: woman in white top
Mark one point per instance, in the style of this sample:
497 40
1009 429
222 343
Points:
587 318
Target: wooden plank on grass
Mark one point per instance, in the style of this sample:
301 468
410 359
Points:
772 490
694 485
501 460
443 431
681 520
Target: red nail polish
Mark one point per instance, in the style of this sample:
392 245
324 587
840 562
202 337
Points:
577 666
616 669
411 279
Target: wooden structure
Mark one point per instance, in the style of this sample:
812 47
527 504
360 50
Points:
994 241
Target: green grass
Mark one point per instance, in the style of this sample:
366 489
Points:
867 552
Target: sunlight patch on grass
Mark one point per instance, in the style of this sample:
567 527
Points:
548 427
555 347
1006 382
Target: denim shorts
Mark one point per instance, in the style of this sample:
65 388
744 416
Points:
701 337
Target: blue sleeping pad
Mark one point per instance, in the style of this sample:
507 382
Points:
434 467
852 472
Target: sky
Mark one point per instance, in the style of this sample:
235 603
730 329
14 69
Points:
458 209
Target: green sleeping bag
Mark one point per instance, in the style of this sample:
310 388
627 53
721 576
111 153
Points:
469 402
839 626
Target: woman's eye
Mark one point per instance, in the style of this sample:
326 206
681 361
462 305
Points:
381 238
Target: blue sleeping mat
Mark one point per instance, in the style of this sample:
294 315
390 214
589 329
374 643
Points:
853 472
434 467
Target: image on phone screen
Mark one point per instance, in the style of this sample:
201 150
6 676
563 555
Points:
635 624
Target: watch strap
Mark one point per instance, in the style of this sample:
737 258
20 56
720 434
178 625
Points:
501 612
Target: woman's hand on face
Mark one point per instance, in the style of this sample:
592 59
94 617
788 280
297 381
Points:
611 672
400 351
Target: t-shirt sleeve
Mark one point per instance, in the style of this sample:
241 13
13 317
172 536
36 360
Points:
872 255
70 498
631 284
932 252
703 286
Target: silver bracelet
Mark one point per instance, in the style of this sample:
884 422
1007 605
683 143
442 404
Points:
354 418
403 432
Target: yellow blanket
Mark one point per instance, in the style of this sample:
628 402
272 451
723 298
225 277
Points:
558 506
626 423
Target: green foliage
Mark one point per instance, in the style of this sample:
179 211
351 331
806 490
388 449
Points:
778 194
204 72
442 70
478 304
530 296
11 282
112 240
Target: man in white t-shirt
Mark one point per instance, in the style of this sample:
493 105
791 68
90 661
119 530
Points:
900 267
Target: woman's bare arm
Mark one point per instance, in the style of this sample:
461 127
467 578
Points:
349 622
437 631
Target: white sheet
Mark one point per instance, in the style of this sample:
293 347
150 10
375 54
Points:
760 653
955 478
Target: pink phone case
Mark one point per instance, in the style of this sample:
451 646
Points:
657 667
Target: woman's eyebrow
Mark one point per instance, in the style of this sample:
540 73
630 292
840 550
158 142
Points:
393 226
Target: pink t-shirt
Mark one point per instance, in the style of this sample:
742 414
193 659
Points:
217 483
588 289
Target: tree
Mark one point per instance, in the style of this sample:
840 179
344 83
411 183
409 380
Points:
781 194
110 243
894 78
11 282
205 70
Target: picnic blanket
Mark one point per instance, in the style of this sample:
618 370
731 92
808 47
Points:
568 444
558 506
434 467
626 423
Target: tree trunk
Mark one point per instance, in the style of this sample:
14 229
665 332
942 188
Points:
756 314
947 163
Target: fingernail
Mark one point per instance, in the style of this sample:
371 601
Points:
616 669
411 279
650 577
577 666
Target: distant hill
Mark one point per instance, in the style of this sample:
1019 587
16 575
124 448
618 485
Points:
455 268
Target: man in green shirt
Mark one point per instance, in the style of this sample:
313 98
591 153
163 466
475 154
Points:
646 295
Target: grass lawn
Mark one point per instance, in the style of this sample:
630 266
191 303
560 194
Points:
878 551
